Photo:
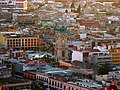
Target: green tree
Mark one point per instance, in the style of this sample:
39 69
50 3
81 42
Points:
104 69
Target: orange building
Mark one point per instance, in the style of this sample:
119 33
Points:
21 42
115 57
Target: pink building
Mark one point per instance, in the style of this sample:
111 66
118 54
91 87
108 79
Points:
58 83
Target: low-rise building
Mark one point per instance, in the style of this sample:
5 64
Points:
56 79
12 83
15 6
13 40
16 53
100 57
25 18
115 57
5 72
114 74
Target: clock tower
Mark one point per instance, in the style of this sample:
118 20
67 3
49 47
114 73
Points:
61 47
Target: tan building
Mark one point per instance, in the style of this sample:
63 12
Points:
24 18
2 41
22 4
23 42
19 41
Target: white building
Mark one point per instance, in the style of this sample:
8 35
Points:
77 55
16 5
114 74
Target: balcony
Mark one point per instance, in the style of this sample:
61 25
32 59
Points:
104 58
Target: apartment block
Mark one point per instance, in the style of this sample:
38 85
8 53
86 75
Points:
115 57
13 40
100 57
13 5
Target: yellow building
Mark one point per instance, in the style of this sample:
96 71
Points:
22 4
115 57
2 40
14 30
14 40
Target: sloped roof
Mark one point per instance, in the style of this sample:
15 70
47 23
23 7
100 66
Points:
30 62
46 67
89 23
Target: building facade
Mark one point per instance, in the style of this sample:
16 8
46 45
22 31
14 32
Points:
16 53
20 41
100 57
23 43
5 72
57 84
115 57
15 5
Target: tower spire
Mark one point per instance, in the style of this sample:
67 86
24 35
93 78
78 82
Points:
72 6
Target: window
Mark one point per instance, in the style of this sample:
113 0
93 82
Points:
34 44
63 53
60 85
55 83
7 42
28 40
25 40
31 40
13 40
64 87
16 42
28 44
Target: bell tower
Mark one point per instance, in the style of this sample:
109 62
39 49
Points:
72 6
61 47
